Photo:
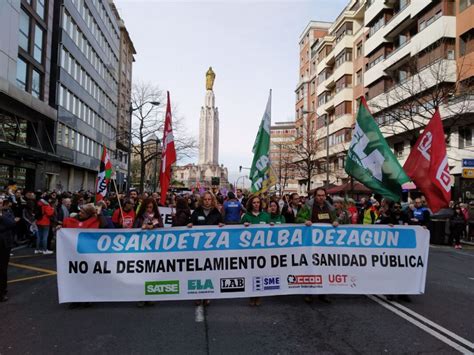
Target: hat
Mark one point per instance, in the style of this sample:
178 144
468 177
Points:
89 209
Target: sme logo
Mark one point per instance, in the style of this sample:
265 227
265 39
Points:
162 287
266 283
305 280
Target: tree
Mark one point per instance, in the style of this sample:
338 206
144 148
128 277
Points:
148 110
417 87
304 151
284 169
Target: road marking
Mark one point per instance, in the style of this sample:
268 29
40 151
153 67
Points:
437 334
34 268
30 278
26 256
199 314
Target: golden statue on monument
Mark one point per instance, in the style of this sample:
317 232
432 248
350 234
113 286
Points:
210 76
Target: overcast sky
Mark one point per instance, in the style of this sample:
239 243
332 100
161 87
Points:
251 45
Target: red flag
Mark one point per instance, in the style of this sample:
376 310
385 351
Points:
427 165
168 156
104 175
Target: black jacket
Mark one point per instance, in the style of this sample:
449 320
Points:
198 218
7 227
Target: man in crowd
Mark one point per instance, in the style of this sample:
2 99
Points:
421 214
317 210
291 210
7 227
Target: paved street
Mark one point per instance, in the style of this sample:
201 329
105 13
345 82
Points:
32 321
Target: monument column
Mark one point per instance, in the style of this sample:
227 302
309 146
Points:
209 125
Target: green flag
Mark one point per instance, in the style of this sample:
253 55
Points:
370 159
261 173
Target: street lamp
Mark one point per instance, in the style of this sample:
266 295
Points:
130 112
326 123
237 181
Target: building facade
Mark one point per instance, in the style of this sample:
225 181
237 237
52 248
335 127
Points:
419 57
85 79
306 96
124 128
406 58
335 64
27 121
282 135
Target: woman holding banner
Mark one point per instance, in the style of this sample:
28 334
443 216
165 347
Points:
148 216
206 214
275 216
255 215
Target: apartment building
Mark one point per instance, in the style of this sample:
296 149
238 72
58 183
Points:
282 140
123 134
306 97
420 56
85 80
339 67
27 121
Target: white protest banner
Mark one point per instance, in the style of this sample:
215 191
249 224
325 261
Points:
237 261
167 215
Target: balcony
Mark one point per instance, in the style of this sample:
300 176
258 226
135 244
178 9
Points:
373 10
442 70
445 26
398 54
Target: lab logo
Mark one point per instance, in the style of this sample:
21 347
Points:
266 283
200 286
162 287
305 281
236 284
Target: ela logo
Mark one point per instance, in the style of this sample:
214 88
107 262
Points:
200 286
162 287
265 283
236 284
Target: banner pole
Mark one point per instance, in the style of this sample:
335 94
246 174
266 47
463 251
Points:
118 199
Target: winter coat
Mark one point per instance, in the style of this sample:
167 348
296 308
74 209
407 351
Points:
181 218
47 212
7 227
199 218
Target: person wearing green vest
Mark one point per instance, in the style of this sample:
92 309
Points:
275 216
255 215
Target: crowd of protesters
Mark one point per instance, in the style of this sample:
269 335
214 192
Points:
32 218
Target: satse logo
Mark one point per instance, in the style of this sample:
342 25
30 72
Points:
162 287
236 284
265 283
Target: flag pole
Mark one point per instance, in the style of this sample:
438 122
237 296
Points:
118 199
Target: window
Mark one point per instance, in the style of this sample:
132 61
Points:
464 4
36 84
398 148
465 137
450 54
359 77
359 50
24 30
40 8
38 44
21 70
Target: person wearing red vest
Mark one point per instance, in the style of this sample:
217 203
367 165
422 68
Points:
43 223
88 217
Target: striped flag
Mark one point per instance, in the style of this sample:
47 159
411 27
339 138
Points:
104 175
